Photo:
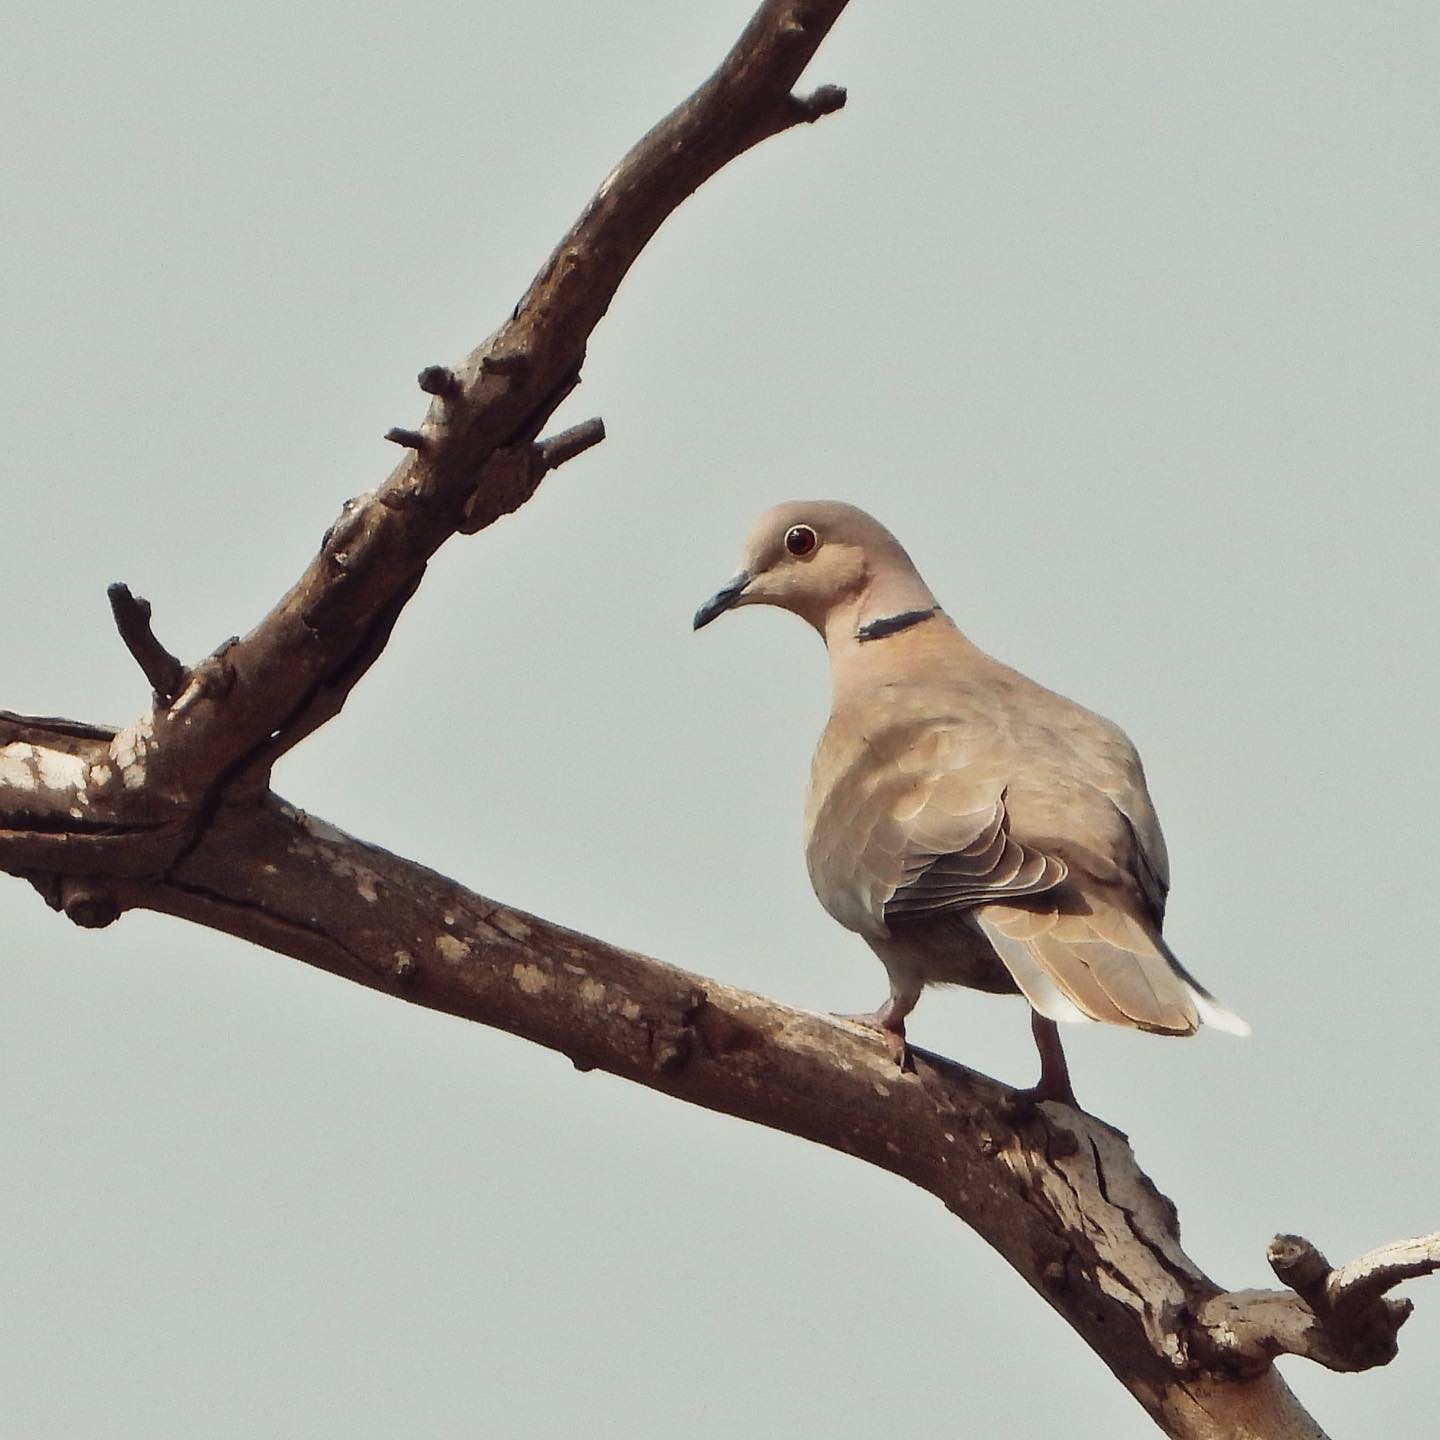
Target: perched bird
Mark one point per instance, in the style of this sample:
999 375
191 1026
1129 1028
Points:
975 828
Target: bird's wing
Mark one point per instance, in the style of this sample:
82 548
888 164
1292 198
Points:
955 860
1122 782
1077 786
912 823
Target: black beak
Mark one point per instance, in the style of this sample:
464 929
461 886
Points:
722 600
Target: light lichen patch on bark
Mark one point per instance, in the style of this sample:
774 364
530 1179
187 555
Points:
61 771
531 979
33 767
452 949
129 751
511 925
17 767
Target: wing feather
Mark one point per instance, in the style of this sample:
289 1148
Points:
992 865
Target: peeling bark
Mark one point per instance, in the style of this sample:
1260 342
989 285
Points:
173 813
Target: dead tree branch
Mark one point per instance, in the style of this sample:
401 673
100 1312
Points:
1342 1318
475 456
173 813
1060 1194
132 619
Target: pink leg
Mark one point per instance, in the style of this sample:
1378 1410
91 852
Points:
889 1019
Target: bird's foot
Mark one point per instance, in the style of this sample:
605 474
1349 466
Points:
1021 1104
891 1031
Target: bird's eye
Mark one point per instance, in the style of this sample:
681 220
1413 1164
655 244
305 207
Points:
800 540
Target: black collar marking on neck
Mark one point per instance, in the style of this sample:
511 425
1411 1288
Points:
893 624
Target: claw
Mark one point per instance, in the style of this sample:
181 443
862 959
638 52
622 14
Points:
889 1029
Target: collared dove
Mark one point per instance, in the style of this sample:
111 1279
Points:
975 828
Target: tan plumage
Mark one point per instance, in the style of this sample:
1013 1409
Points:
973 826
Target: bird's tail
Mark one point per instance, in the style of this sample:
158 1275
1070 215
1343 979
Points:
1099 963
1214 1013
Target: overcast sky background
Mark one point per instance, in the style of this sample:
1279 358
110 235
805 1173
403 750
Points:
1123 317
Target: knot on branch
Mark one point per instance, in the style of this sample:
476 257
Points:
88 902
702 1028
510 476
515 364
1338 1316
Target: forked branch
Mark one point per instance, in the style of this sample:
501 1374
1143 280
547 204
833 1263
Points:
1340 1317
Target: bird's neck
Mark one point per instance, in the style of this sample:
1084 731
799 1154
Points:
890 663
889 639
887 605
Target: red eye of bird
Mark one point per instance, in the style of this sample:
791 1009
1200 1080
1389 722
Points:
800 540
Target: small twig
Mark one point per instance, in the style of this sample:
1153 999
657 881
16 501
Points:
410 439
1373 1273
1298 1264
824 101
555 451
439 380
163 670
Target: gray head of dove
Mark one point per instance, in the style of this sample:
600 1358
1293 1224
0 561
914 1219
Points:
830 564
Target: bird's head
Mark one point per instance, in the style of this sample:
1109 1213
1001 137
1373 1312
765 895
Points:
822 560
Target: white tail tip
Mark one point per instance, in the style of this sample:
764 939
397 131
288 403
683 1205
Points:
1219 1016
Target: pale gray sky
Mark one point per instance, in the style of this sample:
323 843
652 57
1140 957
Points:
1123 317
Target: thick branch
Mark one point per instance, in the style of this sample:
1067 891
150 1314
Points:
1059 1195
